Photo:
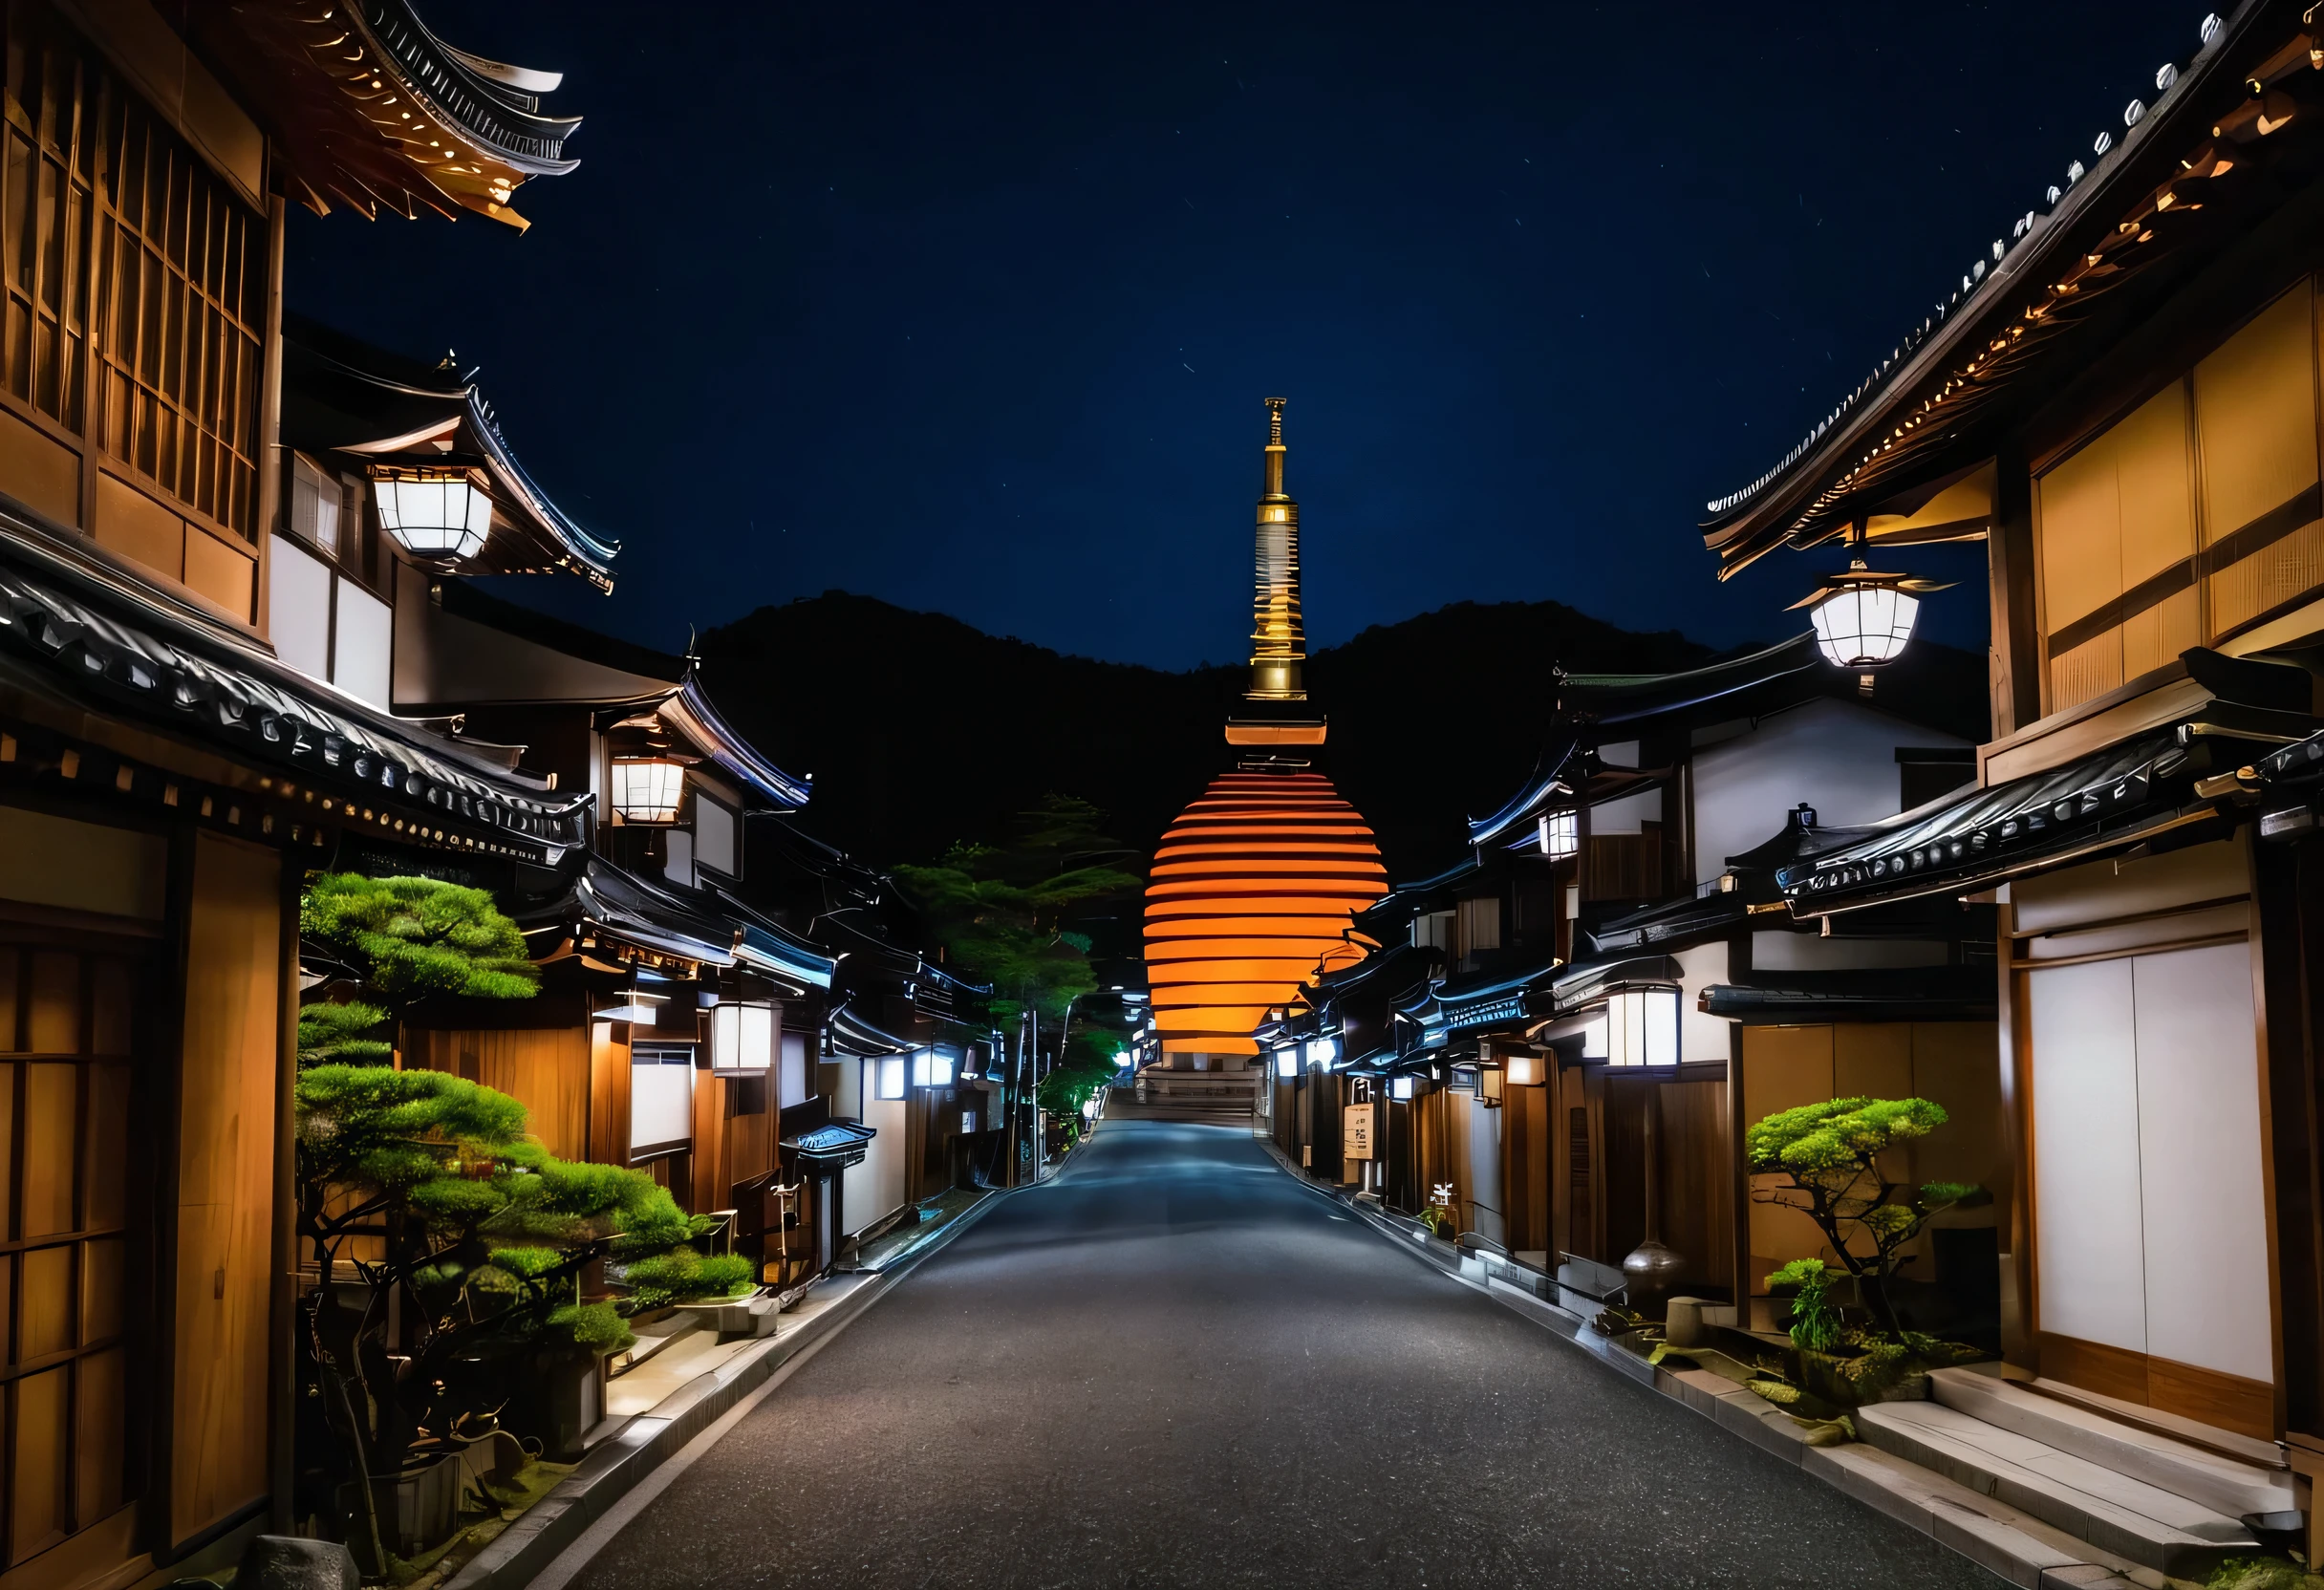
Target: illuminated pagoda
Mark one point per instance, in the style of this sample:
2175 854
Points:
1255 884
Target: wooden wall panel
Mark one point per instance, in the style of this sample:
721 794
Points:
1697 1188
545 1069
225 1196
1784 1067
609 1093
710 1142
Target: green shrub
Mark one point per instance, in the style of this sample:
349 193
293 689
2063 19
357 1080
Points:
1830 1154
1814 1318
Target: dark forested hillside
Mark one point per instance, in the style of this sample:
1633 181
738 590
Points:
922 730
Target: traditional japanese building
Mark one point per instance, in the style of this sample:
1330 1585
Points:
168 772
1254 885
2120 400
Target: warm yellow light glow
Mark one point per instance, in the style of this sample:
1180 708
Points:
1252 889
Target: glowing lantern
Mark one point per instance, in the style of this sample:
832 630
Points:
648 789
1863 619
433 513
1559 833
1642 1027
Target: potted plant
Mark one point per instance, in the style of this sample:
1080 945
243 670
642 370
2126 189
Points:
1829 1156
454 1256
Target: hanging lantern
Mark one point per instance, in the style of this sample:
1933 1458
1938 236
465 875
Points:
1864 619
648 789
432 513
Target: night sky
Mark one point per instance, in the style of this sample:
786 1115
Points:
970 308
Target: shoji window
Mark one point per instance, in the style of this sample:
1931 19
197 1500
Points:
181 275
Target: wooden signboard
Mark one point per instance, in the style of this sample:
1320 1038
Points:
1357 1125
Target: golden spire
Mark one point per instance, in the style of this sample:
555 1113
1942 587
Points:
1278 643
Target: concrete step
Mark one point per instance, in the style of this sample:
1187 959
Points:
2221 1484
2018 1547
2130 1518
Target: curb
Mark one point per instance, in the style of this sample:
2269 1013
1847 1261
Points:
650 1439
2000 1539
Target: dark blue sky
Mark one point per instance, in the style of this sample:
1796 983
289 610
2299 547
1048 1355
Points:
972 308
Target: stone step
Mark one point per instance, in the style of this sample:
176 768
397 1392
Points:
2113 1511
2221 1484
2018 1547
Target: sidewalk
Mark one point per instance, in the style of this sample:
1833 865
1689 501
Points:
722 1375
935 1214
2020 1548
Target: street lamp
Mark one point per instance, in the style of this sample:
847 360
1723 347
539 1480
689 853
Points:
432 513
1864 619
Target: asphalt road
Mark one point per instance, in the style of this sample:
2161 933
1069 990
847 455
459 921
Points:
1176 1366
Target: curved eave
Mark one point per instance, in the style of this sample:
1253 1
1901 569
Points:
859 1036
701 722
769 954
1485 830
506 124
592 556
1799 503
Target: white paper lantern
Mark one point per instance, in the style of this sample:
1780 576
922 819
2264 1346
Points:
438 514
1865 625
648 789
1559 833
1642 1027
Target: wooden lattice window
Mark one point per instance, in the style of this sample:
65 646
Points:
71 1293
125 261
181 285
45 214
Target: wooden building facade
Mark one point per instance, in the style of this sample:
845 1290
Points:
2121 402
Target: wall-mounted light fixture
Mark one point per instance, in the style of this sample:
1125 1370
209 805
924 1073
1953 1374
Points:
1490 1080
741 1037
1524 1071
648 789
1642 1027
1559 833
1287 1061
1322 1052
1400 1090
438 514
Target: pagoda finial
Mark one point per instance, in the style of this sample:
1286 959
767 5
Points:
1278 644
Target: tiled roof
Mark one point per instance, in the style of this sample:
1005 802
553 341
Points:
2126 203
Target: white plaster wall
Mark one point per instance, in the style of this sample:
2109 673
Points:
1838 757
1701 1036
875 1188
363 649
298 609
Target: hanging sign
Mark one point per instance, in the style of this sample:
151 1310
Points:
1356 1130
